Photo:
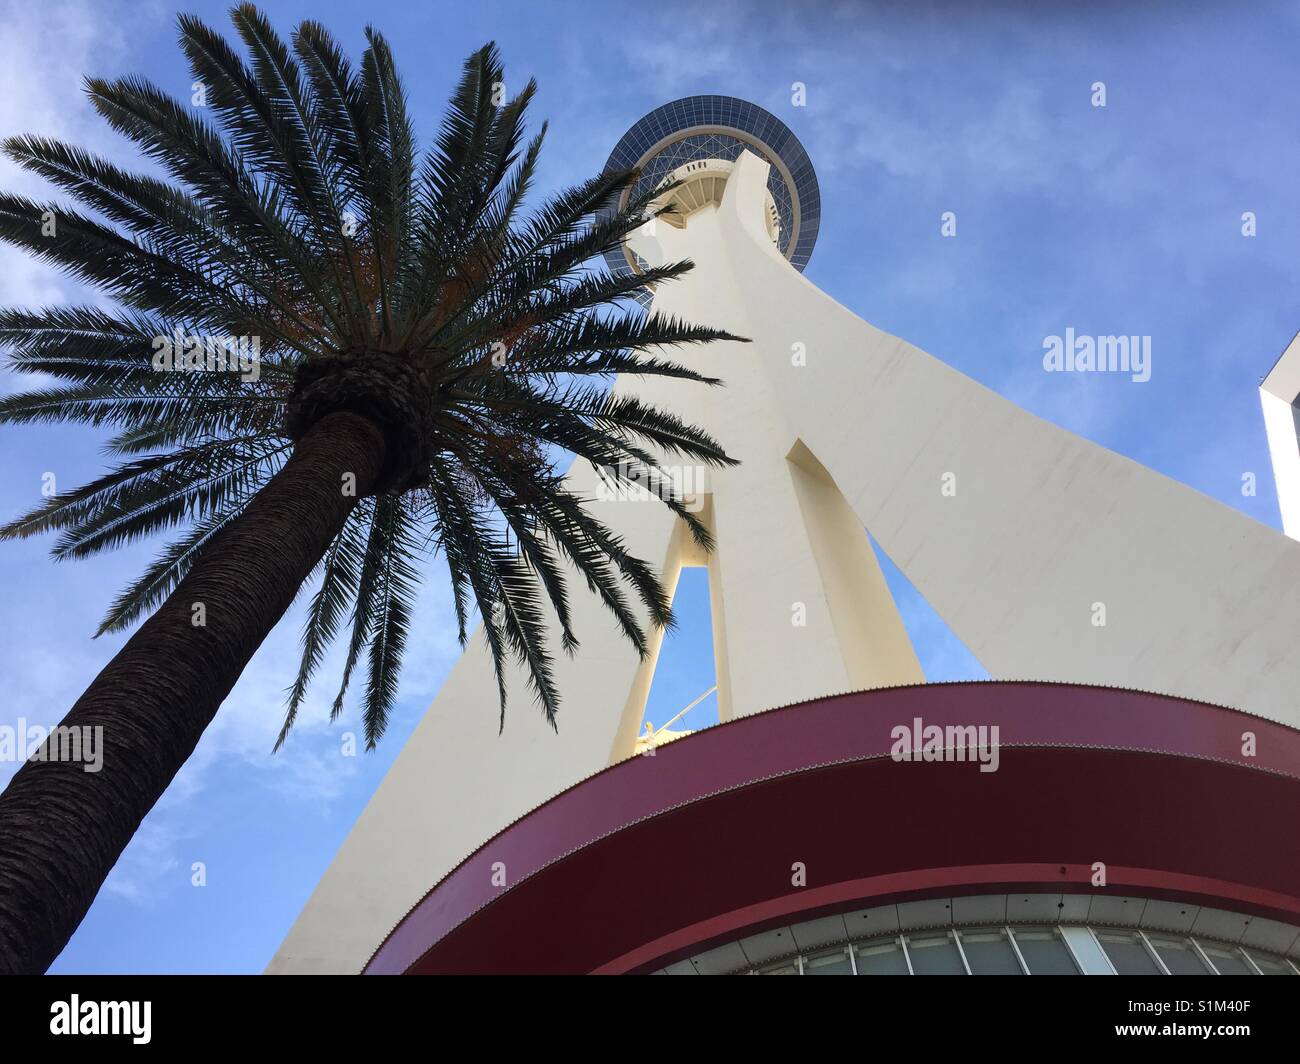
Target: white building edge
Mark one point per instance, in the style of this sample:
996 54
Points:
1279 395
1020 534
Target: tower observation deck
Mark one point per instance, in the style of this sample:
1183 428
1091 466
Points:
695 139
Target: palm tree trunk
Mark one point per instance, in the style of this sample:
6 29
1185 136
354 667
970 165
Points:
62 828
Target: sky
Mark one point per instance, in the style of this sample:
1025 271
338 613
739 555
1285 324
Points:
1125 219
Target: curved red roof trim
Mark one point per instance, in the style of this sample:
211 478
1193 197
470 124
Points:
660 856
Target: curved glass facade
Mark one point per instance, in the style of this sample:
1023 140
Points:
1012 934
1059 950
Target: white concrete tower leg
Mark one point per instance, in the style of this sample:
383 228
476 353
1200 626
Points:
799 603
797 591
1049 556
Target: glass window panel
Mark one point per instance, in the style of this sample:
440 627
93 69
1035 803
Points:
1228 962
832 963
935 956
1127 954
1178 955
782 969
1269 964
884 958
1045 953
989 953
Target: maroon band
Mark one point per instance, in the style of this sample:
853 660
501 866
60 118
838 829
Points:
659 857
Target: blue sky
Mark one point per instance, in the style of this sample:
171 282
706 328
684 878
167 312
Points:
1117 220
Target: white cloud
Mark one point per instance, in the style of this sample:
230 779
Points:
45 50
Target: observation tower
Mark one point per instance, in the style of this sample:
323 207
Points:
1121 797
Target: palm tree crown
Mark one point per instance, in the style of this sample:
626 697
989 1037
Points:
359 275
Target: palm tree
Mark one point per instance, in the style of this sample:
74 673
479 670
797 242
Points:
426 353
